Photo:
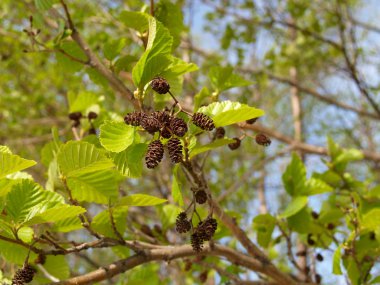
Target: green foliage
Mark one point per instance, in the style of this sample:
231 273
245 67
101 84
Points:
264 226
156 56
227 112
89 173
198 149
89 178
116 136
296 205
129 162
223 78
11 163
140 200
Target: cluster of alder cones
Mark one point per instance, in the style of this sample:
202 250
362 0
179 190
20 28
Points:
169 127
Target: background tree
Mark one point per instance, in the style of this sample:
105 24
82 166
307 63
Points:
302 211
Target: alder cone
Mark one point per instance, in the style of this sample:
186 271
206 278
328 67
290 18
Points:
166 133
203 121
201 196
23 275
92 115
262 139
154 154
163 117
75 116
196 242
183 225
207 228
134 119
150 124
178 127
175 150
235 145
160 85
220 132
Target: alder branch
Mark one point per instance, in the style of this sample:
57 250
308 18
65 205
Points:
354 73
95 62
326 98
308 148
168 253
271 270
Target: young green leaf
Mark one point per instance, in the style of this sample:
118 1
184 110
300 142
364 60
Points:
129 162
264 225
135 20
116 136
294 177
77 158
140 200
223 78
296 205
102 221
227 112
198 149
96 186
156 57
55 214
27 199
10 163
112 49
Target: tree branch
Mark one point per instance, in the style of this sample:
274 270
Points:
95 63
168 253
308 148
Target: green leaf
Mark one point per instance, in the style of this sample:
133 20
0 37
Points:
296 205
376 280
10 163
25 234
172 17
199 98
227 112
156 57
264 226
314 186
28 199
222 78
113 48
44 4
77 158
102 221
303 223
176 188
148 67
168 215
57 266
135 20
72 49
349 155
215 144
116 136
56 214
129 162
140 200
124 63
294 177
82 101
95 187
67 225
371 220
5 149
15 253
